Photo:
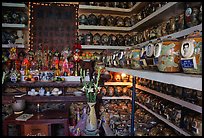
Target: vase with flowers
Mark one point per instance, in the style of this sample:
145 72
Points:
91 89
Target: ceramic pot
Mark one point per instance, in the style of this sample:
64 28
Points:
18 106
102 20
135 61
111 21
89 39
110 91
92 19
103 91
168 53
119 22
97 39
127 22
127 40
83 20
120 40
104 39
197 126
191 52
112 40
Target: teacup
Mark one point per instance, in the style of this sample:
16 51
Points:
48 93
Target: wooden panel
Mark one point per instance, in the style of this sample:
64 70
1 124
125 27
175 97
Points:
36 130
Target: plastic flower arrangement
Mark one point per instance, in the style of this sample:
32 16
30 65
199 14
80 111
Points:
91 88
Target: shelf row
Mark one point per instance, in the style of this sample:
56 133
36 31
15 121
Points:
44 84
164 120
8 99
174 35
160 15
188 105
179 34
89 8
179 79
172 99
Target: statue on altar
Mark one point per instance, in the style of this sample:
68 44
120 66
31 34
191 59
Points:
20 39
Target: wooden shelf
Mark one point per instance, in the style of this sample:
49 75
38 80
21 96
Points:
174 35
8 25
118 83
164 120
180 79
44 84
95 47
160 15
9 46
7 99
172 99
116 98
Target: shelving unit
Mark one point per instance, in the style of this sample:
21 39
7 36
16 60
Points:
180 79
19 7
164 120
172 99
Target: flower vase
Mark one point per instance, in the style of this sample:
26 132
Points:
91 122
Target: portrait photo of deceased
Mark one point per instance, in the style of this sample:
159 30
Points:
187 49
